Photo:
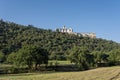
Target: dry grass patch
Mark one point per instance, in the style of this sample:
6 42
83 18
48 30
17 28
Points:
107 73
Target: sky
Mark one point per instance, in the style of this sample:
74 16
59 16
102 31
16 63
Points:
99 16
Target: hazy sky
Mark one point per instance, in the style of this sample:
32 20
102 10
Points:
99 16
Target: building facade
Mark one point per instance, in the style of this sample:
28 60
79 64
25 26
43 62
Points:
70 31
66 30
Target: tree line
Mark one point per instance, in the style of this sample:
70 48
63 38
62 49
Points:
84 59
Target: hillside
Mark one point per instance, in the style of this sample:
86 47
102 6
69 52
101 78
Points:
14 36
108 73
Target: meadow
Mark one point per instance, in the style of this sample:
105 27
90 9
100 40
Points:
59 62
103 73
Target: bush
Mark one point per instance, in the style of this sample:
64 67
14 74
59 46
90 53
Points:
114 63
82 67
13 70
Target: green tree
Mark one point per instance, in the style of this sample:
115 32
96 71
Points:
100 57
28 56
12 58
21 58
40 56
114 56
81 57
2 57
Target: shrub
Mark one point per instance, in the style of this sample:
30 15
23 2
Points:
13 70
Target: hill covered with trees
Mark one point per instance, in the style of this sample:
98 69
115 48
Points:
14 37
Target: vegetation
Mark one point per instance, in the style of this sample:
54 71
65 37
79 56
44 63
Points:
30 46
29 56
81 57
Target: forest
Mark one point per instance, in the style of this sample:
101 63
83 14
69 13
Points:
28 45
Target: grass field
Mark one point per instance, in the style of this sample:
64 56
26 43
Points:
60 62
105 73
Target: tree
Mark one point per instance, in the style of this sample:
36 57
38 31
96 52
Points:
29 55
81 57
12 58
21 57
100 57
40 56
2 57
114 56
57 30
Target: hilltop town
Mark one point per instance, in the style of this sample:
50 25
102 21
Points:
70 31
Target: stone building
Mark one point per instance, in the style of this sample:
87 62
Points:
91 35
66 30
70 31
